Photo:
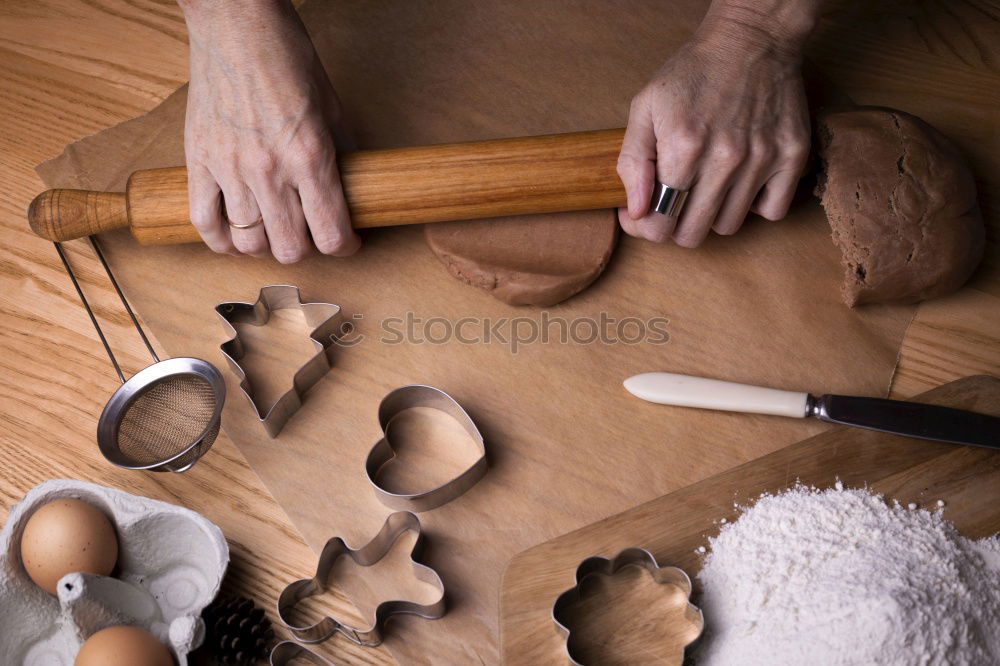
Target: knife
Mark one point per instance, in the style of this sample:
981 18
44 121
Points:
912 419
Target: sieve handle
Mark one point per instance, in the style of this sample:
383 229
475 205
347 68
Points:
90 312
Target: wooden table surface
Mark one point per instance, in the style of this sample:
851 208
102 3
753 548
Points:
71 67
67 69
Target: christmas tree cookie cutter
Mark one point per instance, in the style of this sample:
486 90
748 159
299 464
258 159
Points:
327 325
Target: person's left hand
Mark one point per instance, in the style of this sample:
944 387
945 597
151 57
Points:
259 136
725 118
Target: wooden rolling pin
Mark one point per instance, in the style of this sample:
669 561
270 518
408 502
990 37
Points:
459 181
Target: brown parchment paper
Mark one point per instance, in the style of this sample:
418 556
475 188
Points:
567 444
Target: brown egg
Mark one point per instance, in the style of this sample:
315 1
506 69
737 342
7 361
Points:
67 536
123 646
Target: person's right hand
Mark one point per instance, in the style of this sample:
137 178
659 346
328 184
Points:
725 118
259 134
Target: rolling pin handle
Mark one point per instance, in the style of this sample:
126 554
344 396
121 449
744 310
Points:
62 215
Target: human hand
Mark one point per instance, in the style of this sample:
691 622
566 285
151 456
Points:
725 118
259 134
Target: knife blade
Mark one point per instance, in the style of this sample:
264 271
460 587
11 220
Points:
899 417
913 419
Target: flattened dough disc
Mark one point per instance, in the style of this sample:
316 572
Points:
527 260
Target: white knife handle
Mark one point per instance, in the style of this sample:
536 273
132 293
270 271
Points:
668 388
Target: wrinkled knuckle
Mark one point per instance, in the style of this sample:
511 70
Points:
773 214
658 236
249 244
727 227
763 149
626 166
728 152
769 211
238 210
796 153
201 218
195 147
638 102
687 240
289 254
195 154
685 144
262 162
627 224
330 242
794 144
656 228
312 150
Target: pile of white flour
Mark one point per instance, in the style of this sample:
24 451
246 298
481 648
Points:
839 577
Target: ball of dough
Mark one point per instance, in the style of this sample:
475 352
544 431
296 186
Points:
123 646
901 202
67 536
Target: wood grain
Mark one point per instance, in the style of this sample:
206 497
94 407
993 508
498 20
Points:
82 66
518 176
567 444
69 214
158 207
672 527
460 181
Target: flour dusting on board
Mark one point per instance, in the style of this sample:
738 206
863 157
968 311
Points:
839 576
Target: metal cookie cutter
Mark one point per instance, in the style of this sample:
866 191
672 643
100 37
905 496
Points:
382 453
395 526
328 326
603 566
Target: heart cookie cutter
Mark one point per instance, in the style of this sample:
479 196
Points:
395 526
327 328
602 566
382 453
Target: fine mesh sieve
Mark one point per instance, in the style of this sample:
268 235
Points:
166 416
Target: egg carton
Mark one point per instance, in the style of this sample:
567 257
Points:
170 564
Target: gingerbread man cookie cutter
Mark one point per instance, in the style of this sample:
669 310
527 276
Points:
395 526
328 327
602 566
382 453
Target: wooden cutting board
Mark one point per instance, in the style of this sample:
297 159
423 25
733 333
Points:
672 527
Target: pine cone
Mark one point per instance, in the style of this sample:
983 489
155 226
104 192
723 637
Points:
236 631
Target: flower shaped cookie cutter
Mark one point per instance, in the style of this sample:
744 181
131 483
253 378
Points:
602 566
395 526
